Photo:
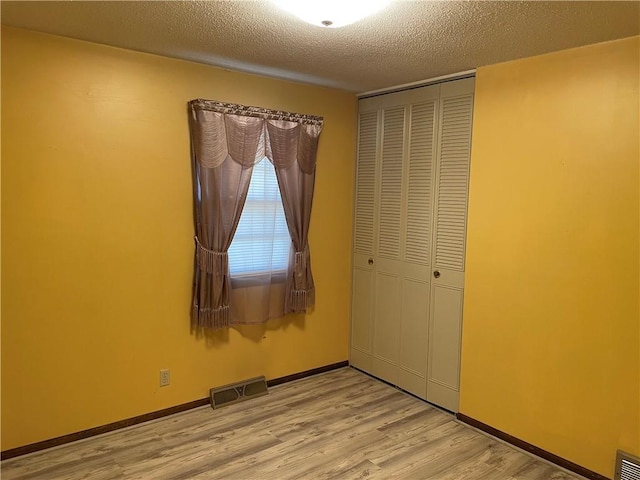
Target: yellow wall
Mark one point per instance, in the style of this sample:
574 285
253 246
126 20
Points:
551 322
97 236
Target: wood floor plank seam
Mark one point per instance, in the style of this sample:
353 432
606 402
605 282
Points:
147 417
530 449
340 425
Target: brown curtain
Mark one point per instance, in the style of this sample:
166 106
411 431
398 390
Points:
226 141
293 148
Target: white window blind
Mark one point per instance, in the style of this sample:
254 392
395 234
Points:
261 243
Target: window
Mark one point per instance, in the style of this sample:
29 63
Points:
261 242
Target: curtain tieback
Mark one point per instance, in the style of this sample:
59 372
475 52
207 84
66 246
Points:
210 260
301 261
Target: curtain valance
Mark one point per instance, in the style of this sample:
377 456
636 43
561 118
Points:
249 111
248 134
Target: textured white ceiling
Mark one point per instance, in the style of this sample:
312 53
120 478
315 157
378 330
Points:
408 41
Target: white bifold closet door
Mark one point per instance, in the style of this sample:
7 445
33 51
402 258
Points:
410 219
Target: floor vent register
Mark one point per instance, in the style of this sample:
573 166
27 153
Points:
627 466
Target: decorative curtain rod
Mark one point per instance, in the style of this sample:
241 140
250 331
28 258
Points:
267 114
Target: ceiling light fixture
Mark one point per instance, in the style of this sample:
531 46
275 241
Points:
332 13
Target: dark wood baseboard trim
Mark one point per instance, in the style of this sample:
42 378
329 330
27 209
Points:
539 452
109 427
91 432
307 373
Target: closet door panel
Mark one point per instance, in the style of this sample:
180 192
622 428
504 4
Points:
412 373
448 253
364 236
388 265
361 310
386 334
444 346
414 337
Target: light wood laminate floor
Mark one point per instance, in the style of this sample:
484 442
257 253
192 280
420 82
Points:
342 424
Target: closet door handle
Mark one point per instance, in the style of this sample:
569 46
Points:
436 274
371 261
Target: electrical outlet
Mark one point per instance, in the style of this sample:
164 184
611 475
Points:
165 377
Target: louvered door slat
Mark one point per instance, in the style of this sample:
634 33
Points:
366 181
391 183
453 182
419 184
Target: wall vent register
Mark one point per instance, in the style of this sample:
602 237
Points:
238 392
